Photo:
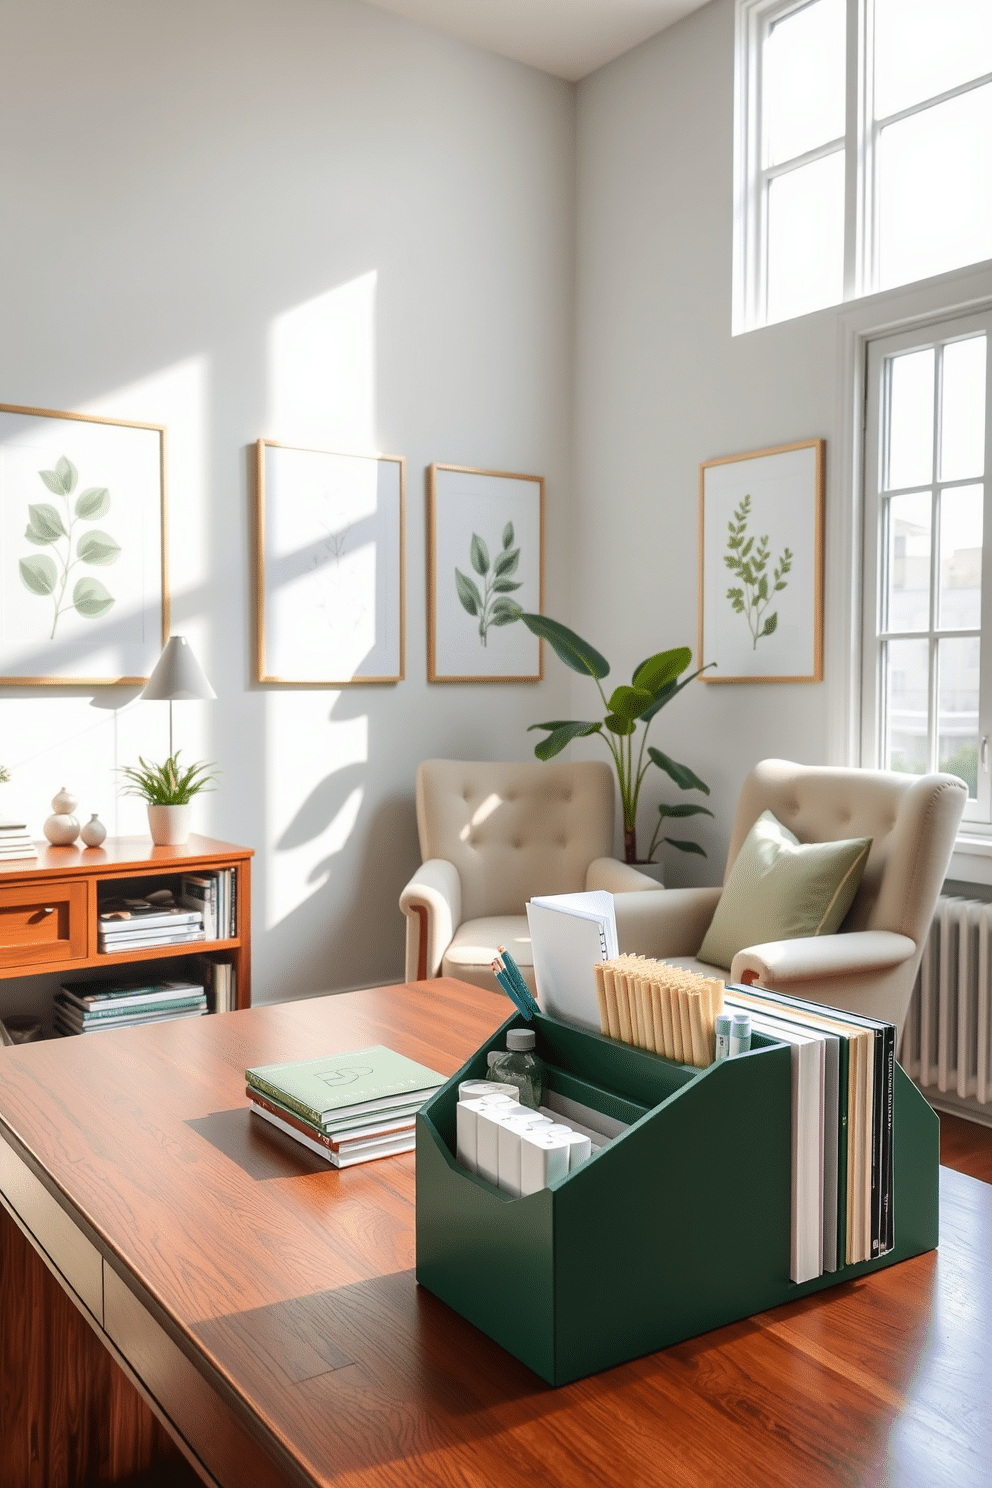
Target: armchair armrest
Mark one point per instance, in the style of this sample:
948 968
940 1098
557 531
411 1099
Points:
778 963
432 903
617 877
671 922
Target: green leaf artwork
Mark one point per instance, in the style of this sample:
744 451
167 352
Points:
47 575
748 560
490 605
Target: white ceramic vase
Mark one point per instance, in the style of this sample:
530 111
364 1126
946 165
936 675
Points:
94 831
62 828
169 825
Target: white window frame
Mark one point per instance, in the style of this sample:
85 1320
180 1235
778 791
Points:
877 350
860 145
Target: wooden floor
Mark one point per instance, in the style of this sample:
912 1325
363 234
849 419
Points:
966 1146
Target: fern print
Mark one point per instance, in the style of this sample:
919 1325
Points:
748 559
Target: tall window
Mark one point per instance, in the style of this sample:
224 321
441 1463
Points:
864 151
928 554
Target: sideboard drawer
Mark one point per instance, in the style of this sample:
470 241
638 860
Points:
42 923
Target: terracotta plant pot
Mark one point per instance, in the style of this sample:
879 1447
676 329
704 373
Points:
169 825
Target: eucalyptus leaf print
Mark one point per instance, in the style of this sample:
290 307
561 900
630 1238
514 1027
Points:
490 604
53 525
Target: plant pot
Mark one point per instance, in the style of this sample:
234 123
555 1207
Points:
169 825
653 870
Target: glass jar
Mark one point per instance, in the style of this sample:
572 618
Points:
520 1066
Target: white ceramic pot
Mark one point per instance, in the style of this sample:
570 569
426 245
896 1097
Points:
169 825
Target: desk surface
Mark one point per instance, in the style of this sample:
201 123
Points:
290 1286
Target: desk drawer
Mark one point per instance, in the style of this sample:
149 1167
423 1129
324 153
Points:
42 924
66 1246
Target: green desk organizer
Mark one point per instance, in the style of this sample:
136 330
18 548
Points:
680 1225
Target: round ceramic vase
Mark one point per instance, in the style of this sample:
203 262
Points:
94 831
62 828
169 825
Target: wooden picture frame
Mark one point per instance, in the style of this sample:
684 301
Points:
761 564
485 558
330 572
84 596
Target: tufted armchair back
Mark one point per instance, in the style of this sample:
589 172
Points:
912 821
514 830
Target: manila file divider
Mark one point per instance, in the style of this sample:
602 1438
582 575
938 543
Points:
678 1226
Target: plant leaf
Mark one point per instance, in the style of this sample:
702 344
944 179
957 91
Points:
567 646
671 690
98 547
619 725
689 809
504 586
67 474
479 554
563 731
505 611
39 574
93 503
662 668
684 778
770 625
508 535
44 524
468 593
52 482
507 563
629 702
91 598
688 847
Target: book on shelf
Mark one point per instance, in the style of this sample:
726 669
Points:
160 935
15 842
91 997
350 1083
122 917
220 983
71 1017
214 894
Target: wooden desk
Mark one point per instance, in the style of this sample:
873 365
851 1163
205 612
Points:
265 1304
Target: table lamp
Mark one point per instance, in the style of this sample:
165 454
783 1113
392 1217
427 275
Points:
177 674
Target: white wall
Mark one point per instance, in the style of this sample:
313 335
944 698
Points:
662 385
178 175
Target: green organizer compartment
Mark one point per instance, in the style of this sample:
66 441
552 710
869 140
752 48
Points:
679 1225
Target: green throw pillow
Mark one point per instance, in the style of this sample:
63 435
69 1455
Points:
781 889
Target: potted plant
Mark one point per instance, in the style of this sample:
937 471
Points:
168 789
654 683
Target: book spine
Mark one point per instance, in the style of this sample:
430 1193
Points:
877 1109
284 1098
888 1228
305 1128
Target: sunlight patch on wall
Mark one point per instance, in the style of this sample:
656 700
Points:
315 787
322 370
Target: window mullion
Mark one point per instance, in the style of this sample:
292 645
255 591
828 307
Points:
855 124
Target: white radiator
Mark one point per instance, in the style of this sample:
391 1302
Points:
947 1039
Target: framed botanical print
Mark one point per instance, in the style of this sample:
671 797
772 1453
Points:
330 567
485 566
83 571
761 565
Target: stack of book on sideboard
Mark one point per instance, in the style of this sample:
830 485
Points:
348 1108
137 924
94 1007
15 842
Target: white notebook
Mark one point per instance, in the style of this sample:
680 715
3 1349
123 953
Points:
569 934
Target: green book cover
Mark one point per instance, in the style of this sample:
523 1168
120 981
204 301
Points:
357 1080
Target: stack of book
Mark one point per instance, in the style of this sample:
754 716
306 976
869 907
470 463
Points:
93 1007
348 1108
15 842
219 982
134 924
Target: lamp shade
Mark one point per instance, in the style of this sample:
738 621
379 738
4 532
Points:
177 674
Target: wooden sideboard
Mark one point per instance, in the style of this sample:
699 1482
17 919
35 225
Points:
48 904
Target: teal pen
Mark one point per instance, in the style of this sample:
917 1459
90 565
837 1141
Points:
525 995
506 982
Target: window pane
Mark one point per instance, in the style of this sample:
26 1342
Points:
907 596
806 238
802 81
957 709
923 48
961 558
906 691
962 430
909 459
934 203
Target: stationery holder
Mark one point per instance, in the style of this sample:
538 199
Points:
679 1225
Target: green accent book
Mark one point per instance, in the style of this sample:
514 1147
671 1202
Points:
356 1080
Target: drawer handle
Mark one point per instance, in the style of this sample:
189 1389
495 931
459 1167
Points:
49 909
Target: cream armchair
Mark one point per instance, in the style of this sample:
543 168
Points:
493 835
868 967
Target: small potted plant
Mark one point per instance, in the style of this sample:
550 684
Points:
167 790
